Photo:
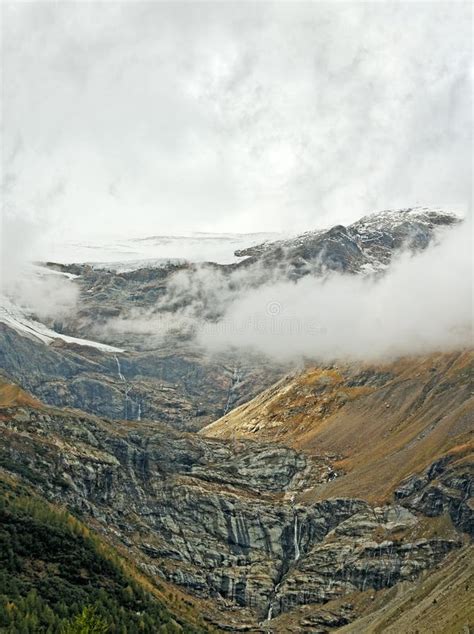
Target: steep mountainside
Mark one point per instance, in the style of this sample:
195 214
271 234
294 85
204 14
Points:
332 498
441 603
391 420
255 529
53 567
177 383
410 420
152 314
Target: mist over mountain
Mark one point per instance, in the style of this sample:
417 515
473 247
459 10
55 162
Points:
393 283
421 303
236 318
282 357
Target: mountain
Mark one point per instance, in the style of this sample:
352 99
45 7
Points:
203 290
267 535
391 419
365 246
226 491
154 367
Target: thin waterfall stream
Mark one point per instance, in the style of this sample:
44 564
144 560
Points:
295 539
127 390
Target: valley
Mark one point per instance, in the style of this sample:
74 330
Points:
262 495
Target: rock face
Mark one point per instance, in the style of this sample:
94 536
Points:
440 490
350 562
177 384
332 486
218 518
366 245
153 313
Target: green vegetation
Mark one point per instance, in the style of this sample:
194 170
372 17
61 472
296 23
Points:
57 577
87 622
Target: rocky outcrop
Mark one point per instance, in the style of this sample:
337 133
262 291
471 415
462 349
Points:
442 489
178 384
219 519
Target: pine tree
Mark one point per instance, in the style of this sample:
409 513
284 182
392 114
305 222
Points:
87 622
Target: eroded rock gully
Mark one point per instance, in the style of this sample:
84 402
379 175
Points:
222 519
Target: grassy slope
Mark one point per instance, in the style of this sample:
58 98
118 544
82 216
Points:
410 413
439 603
13 396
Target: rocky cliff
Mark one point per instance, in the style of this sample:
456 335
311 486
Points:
321 499
178 383
151 315
235 522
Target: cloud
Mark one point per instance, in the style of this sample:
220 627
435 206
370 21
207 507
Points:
136 118
46 294
195 296
423 303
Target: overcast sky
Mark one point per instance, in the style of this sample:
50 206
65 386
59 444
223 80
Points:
147 118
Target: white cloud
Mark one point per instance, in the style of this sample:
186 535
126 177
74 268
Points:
422 304
46 294
143 117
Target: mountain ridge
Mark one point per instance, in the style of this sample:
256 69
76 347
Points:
390 403
315 497
241 512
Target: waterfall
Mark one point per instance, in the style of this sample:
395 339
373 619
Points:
295 539
119 369
235 380
364 580
127 390
272 598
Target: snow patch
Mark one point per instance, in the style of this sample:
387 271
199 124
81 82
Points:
14 317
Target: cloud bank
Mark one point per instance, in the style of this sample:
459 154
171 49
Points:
151 117
46 294
423 303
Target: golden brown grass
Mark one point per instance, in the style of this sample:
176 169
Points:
375 435
438 603
13 396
